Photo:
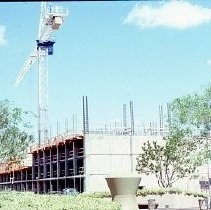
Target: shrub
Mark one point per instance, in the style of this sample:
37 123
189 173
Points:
97 194
30 201
162 191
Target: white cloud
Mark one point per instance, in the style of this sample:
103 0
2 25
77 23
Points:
3 40
173 14
209 62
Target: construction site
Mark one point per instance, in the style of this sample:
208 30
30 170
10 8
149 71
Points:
73 161
80 159
83 161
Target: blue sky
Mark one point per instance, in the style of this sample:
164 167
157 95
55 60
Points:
112 52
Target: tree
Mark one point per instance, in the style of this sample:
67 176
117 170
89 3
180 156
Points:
186 145
14 138
177 158
192 113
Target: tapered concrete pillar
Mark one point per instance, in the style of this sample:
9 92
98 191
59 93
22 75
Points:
123 190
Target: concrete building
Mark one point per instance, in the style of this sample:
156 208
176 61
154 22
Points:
81 162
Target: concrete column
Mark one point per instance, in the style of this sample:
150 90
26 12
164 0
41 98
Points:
51 168
66 162
38 157
44 186
44 164
74 159
58 162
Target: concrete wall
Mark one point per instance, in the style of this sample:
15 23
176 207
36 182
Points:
105 155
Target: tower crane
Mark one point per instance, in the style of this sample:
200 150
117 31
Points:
51 19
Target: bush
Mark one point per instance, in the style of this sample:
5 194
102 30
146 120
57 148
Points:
97 194
148 191
162 191
196 194
30 201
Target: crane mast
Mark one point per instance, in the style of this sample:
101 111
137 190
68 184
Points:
42 94
51 18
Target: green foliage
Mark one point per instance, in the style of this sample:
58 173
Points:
13 136
177 158
186 146
174 191
30 201
149 191
151 158
97 194
163 191
196 194
192 113
146 191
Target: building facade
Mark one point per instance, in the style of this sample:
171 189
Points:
81 162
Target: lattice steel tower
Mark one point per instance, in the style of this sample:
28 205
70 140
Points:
51 18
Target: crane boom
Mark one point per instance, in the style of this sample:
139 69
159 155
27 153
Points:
29 62
46 34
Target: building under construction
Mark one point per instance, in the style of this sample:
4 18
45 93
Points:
74 161
80 161
56 165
